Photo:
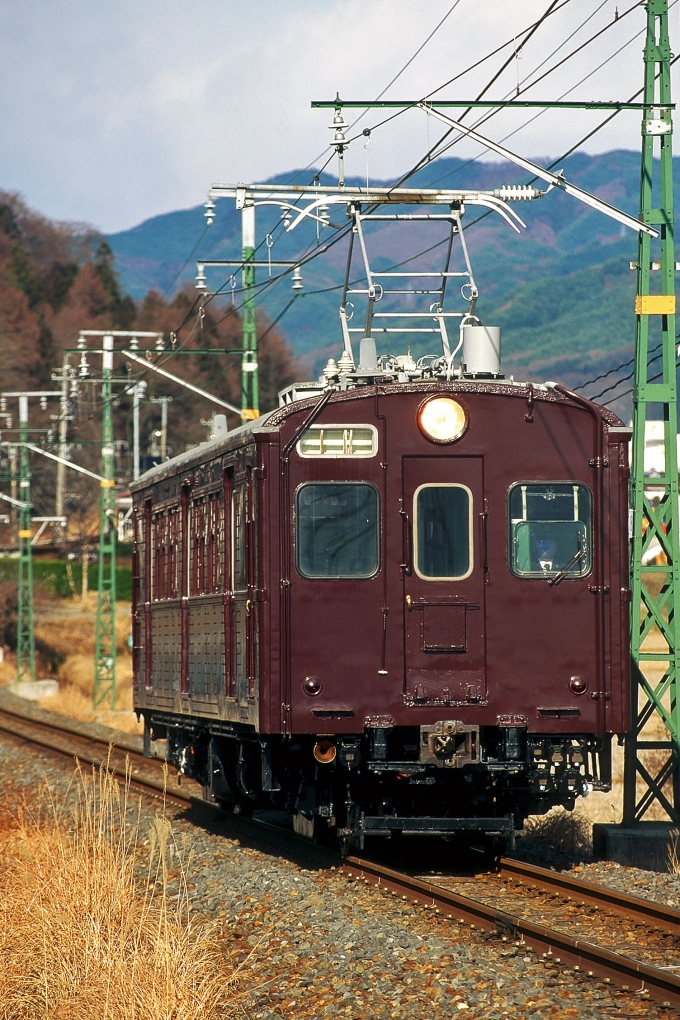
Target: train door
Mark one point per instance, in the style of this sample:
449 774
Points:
443 589
243 608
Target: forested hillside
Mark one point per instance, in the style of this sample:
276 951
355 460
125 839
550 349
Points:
56 279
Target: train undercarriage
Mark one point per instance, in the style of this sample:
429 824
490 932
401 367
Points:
441 780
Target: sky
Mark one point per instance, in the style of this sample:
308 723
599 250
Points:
113 112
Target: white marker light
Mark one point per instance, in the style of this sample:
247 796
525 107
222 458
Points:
442 419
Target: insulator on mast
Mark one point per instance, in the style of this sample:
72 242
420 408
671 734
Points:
517 193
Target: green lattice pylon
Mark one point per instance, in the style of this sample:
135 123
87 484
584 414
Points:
652 760
25 632
105 639
250 399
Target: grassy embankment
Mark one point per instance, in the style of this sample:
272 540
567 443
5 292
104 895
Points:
88 927
65 640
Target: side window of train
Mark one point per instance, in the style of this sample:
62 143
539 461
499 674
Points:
165 560
550 529
158 560
443 532
337 530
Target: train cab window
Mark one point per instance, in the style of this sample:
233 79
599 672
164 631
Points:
550 530
335 441
337 533
443 532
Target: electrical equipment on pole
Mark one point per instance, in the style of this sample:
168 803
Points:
250 399
25 632
105 637
655 638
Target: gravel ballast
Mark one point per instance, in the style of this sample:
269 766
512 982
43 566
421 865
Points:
313 943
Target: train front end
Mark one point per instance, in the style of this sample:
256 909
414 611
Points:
454 605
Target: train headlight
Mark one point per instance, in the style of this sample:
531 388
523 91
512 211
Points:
442 419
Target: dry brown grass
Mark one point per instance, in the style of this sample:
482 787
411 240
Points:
567 831
88 930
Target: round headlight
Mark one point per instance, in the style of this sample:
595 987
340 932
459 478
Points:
442 419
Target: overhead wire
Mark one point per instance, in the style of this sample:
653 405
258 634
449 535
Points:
186 262
440 243
535 116
429 155
528 33
343 231
456 77
388 86
484 118
559 159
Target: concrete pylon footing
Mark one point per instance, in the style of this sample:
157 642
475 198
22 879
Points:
654 846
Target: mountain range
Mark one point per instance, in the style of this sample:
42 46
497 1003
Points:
562 290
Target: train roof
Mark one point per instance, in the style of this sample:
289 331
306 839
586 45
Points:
272 420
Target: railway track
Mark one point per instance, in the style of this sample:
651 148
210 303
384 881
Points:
72 739
587 930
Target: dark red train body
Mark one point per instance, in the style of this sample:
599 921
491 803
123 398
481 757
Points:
338 615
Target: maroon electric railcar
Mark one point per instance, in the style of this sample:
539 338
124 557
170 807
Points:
391 606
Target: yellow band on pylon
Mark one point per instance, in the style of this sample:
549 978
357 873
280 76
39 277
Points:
655 304
249 414
107 483
25 534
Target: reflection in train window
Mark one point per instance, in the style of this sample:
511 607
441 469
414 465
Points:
443 532
337 533
550 529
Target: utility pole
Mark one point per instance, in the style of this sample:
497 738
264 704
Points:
655 618
250 399
105 633
105 636
63 443
138 391
19 459
163 401
25 633
14 478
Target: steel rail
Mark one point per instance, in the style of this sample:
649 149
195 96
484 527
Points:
70 739
119 759
557 947
633 908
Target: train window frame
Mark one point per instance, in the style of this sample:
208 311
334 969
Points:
345 455
378 532
543 574
471 544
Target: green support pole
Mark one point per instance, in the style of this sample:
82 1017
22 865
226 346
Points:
25 633
249 385
651 758
105 641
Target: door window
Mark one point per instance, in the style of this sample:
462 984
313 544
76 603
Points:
550 529
443 532
337 530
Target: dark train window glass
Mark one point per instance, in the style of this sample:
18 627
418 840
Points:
443 536
337 530
550 529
